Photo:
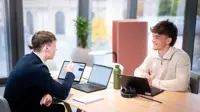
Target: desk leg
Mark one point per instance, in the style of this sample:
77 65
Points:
68 107
78 110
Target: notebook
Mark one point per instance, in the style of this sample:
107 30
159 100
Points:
88 99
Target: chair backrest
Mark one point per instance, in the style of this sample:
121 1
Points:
4 106
194 82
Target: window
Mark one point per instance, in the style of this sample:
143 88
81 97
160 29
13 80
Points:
162 10
29 22
196 52
3 45
168 7
60 23
103 13
48 16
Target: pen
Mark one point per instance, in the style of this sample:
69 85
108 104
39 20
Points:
151 99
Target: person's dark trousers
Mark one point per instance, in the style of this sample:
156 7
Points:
53 108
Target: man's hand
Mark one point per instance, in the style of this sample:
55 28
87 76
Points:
149 77
69 67
46 100
152 75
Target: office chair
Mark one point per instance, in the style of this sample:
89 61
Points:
4 106
194 82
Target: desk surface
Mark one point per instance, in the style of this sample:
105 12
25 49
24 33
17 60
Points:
113 102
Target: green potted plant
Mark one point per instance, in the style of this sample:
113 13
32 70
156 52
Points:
82 31
80 53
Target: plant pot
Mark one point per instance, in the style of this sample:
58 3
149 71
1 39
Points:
81 55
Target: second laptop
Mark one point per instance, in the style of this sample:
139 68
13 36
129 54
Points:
98 79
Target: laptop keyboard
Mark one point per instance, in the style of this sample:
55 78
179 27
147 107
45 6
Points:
86 86
61 81
90 86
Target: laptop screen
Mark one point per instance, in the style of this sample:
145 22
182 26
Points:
78 69
100 75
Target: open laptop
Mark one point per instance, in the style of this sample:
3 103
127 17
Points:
78 69
98 79
140 84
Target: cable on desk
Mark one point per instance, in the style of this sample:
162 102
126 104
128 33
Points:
151 99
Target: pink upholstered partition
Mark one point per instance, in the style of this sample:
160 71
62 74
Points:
114 44
130 43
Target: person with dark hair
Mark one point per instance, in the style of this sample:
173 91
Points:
167 67
30 87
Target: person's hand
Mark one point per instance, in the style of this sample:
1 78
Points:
69 67
149 77
152 75
46 100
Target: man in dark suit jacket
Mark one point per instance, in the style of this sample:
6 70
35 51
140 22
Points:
30 87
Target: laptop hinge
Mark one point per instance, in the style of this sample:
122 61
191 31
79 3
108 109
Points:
95 84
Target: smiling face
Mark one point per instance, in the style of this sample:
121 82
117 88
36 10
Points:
164 34
160 41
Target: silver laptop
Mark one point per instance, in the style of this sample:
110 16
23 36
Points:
98 79
78 69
